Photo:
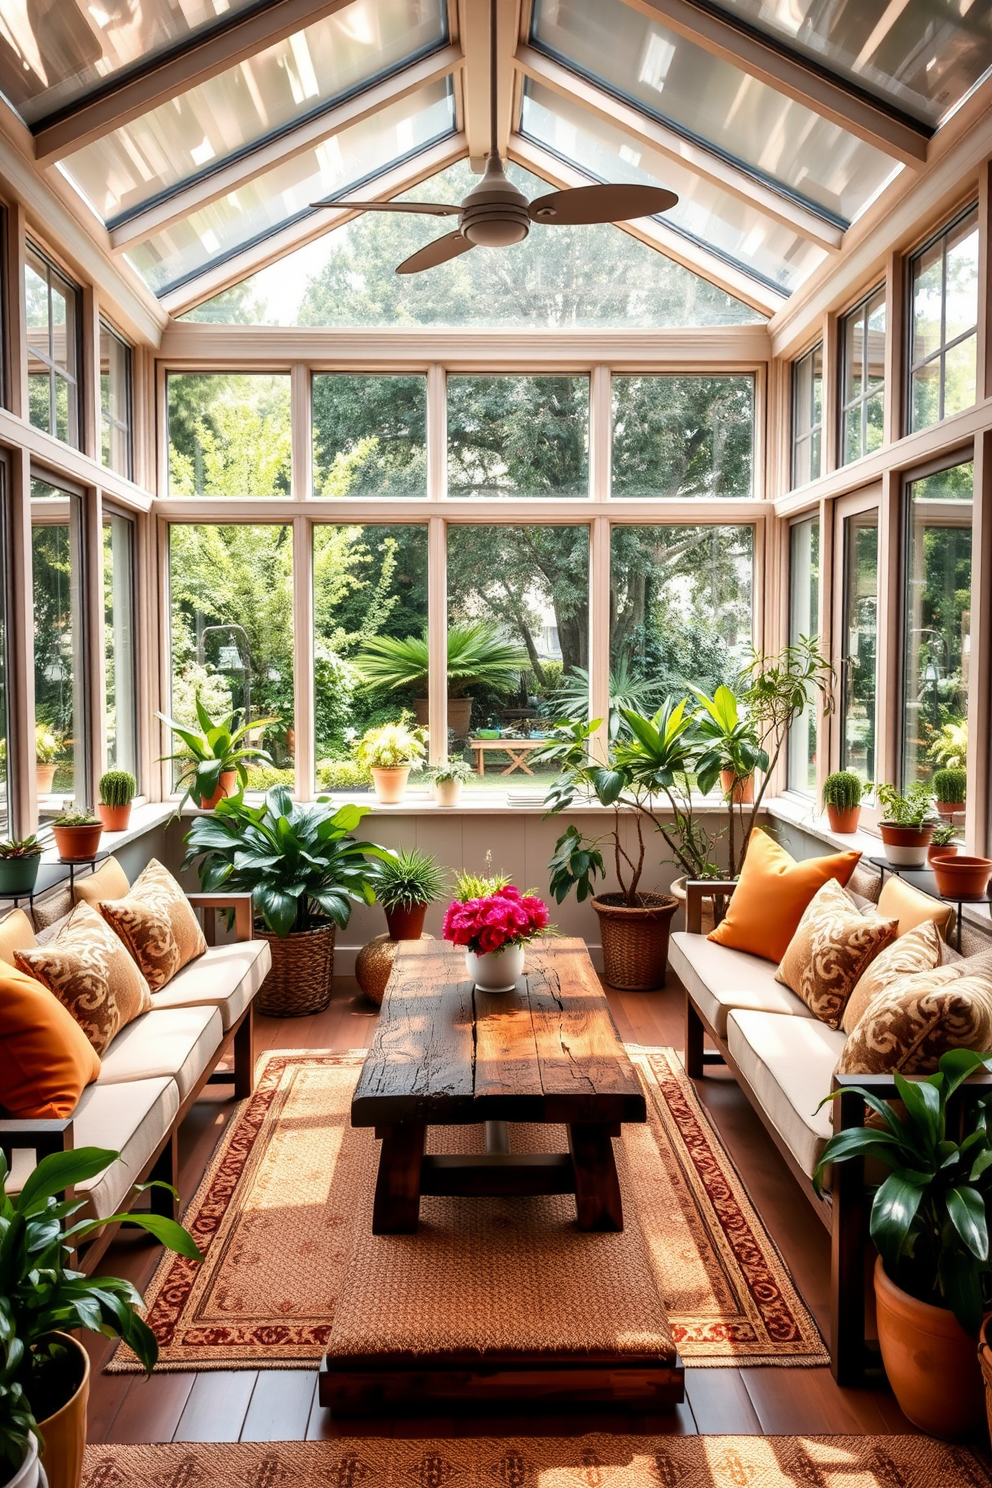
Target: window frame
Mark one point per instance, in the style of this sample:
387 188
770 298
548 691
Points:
940 355
860 402
106 417
797 440
74 377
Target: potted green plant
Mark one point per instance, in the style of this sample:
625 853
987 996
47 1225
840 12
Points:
44 1301
447 780
389 751
117 791
729 744
930 1225
949 789
20 1464
405 883
842 792
303 870
478 656
47 748
906 825
213 762
77 836
20 860
943 842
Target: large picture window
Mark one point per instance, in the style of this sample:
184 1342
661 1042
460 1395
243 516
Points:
804 622
369 435
518 436
936 671
863 378
59 648
52 307
229 434
859 643
683 436
121 717
115 401
807 417
944 341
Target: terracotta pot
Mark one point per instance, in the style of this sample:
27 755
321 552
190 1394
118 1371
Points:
78 844
742 790
447 792
291 741
934 852
64 1433
843 819
227 785
950 808
931 1362
962 876
30 1474
18 876
407 924
635 939
905 847
45 778
114 818
459 715
390 785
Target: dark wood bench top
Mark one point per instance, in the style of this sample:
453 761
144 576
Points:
445 1054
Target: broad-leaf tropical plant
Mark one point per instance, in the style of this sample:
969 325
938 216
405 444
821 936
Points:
222 746
478 656
40 1293
299 862
930 1217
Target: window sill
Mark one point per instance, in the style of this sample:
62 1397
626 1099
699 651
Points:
143 819
803 815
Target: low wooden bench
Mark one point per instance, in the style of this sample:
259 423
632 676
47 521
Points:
517 749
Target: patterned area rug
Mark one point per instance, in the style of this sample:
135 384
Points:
283 1219
546 1462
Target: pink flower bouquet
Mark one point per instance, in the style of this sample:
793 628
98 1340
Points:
503 918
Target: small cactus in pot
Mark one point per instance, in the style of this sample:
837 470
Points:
117 791
949 788
842 792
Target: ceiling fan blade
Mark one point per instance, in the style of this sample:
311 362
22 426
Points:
432 209
438 252
586 204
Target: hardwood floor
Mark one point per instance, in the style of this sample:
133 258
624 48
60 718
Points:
281 1405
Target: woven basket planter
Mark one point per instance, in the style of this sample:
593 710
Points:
635 940
300 980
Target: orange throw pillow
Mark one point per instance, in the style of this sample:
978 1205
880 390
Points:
46 1060
772 894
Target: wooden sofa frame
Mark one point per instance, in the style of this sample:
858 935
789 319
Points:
57 1135
843 1209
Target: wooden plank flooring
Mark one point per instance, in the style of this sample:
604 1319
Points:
280 1404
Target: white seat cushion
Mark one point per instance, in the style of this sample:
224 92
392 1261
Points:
718 979
788 1063
176 1042
130 1119
225 976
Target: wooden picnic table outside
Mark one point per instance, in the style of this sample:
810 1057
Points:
517 749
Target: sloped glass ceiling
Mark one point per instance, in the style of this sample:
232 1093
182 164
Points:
782 142
194 134
283 195
567 277
924 57
705 213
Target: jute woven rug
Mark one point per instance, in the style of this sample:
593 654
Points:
546 1462
283 1219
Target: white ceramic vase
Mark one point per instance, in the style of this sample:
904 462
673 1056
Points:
30 1474
496 971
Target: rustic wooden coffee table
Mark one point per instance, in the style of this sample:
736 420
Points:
447 1055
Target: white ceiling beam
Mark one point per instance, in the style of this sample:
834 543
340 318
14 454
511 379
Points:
392 182
792 75
176 73
265 157
655 234
673 146
473 30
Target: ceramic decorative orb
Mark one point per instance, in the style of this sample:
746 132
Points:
373 964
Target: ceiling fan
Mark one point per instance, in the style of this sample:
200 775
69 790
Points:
495 214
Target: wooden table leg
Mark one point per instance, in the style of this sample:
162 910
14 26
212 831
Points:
396 1207
480 760
597 1187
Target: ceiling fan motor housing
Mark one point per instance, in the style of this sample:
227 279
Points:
495 214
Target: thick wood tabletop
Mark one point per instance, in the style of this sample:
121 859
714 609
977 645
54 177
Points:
445 1054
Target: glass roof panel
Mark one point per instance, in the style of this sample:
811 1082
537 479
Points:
781 141
192 135
569 277
924 57
283 195
54 52
705 213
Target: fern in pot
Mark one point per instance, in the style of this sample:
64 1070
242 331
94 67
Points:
303 869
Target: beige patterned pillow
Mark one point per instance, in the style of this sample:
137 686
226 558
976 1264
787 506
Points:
832 946
919 949
917 1019
91 973
156 924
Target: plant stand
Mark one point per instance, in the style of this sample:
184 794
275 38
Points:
924 880
51 875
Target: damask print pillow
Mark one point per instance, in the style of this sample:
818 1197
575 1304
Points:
156 923
91 974
920 949
830 951
917 1019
